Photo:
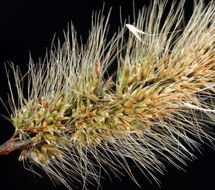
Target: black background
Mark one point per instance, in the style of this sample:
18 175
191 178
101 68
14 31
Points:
29 26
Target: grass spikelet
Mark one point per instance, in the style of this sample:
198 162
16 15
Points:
74 121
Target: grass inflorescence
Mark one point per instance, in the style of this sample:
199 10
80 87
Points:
75 121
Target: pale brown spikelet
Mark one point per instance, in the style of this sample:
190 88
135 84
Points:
75 122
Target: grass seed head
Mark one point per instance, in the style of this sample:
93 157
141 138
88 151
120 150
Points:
164 95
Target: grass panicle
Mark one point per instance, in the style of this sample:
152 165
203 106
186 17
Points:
76 122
